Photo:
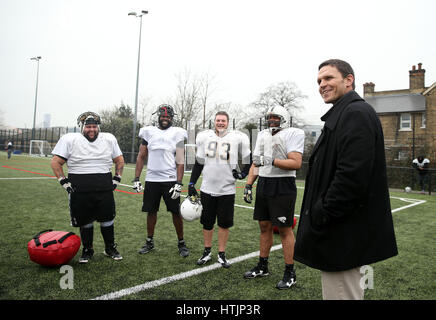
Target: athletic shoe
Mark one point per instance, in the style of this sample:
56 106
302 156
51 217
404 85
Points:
147 247
204 258
257 271
289 279
113 252
183 250
87 254
222 259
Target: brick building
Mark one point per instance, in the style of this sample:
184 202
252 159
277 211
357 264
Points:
408 117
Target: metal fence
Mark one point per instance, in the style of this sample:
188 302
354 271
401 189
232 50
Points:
398 176
21 137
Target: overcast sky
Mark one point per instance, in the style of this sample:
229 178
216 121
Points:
89 50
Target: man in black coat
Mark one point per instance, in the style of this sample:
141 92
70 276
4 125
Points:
346 220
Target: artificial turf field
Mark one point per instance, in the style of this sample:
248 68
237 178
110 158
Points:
32 201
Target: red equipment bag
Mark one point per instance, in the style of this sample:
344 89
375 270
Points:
53 248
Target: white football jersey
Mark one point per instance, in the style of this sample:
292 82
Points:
277 147
421 164
220 156
83 156
162 145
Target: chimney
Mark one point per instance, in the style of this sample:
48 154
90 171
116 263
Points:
417 78
368 88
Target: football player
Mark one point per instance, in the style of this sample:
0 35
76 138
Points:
278 153
217 157
10 148
89 155
421 164
164 146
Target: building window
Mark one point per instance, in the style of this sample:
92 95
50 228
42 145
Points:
405 122
423 120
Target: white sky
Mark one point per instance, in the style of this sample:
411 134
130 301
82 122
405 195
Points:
89 50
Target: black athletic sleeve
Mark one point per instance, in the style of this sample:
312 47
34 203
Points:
196 171
246 169
65 159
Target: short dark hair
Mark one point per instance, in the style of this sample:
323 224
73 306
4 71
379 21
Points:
223 113
343 67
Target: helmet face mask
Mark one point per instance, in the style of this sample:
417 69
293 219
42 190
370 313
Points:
88 119
278 112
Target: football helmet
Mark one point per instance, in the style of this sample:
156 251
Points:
165 110
191 208
88 117
280 112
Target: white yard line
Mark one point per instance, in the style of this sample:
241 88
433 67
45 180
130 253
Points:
415 202
180 276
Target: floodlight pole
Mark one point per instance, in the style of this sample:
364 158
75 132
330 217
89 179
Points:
36 94
137 83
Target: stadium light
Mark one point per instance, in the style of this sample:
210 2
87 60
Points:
143 12
36 94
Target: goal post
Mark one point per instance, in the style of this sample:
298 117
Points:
39 148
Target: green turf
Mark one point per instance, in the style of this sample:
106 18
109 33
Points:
29 206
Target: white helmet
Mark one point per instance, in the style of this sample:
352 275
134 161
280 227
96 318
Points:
279 111
191 208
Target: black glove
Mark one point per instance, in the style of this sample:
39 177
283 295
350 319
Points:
238 175
191 190
116 181
248 197
66 184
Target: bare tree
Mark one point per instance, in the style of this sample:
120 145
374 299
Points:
187 103
205 92
192 97
285 94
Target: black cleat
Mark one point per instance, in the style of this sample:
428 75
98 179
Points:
87 254
183 250
257 271
204 258
289 279
222 259
147 247
113 252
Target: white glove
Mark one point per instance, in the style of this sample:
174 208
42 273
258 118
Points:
260 161
176 190
137 186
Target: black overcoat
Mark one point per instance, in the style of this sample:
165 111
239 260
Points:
346 220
